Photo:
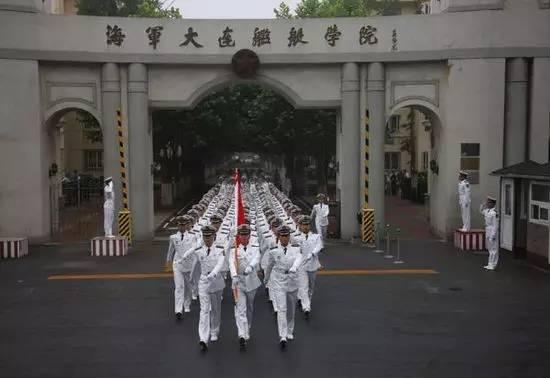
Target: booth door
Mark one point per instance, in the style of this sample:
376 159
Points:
507 214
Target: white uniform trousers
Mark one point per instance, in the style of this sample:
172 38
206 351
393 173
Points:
195 278
108 218
303 288
286 310
492 247
321 230
182 289
465 212
244 309
210 314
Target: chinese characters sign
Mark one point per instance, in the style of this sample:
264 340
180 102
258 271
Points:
366 35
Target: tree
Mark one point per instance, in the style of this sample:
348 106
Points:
127 8
338 8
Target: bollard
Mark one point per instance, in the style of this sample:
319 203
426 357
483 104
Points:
398 261
388 254
378 230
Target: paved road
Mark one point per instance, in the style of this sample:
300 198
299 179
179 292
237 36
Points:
461 322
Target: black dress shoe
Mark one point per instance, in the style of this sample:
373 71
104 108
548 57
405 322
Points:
282 343
242 343
179 315
203 346
306 315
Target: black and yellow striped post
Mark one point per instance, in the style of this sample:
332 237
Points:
124 215
367 219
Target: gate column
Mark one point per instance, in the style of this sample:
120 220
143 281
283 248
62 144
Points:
140 152
110 101
376 103
350 151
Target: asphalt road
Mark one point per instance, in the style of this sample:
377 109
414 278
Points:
461 322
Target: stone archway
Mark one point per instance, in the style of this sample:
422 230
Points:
422 145
74 154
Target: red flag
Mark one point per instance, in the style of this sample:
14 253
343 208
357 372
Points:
239 208
239 219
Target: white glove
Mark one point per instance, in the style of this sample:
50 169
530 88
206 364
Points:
234 281
309 257
292 270
210 276
248 270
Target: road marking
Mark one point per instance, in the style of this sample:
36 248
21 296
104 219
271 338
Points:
374 272
140 276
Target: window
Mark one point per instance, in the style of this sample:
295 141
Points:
539 203
469 161
392 160
93 159
392 128
425 161
508 199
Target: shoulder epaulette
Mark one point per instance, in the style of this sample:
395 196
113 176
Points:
275 247
198 248
255 245
295 245
219 246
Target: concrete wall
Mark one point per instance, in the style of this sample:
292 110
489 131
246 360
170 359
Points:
24 189
303 86
537 241
474 114
540 110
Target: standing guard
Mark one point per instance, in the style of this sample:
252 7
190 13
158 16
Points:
320 214
464 199
491 231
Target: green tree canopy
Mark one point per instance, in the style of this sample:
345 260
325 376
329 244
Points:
127 8
338 8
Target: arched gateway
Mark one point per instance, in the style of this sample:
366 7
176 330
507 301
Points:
481 71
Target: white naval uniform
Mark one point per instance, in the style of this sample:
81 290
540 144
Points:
491 235
109 209
320 214
182 268
464 201
283 280
310 245
211 285
245 276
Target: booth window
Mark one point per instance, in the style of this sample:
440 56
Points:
539 203
469 161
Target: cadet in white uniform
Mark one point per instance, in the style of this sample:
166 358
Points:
320 214
284 260
491 231
179 244
211 285
310 245
464 199
243 265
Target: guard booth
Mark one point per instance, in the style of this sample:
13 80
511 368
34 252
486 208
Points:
524 210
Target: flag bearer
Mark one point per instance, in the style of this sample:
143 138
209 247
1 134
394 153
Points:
243 264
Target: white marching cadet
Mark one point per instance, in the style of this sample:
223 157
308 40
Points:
310 244
243 264
283 263
108 207
320 214
464 199
211 258
179 244
491 231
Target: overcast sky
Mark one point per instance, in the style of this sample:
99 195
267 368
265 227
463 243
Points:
229 8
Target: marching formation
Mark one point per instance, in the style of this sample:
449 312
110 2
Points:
247 234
